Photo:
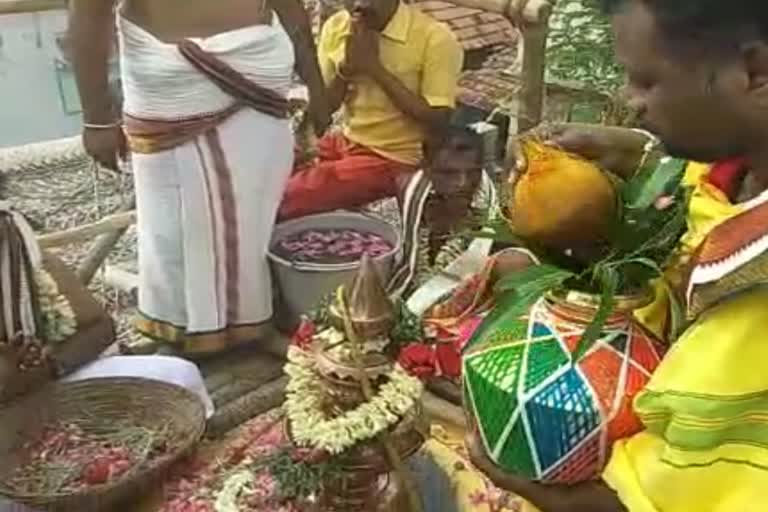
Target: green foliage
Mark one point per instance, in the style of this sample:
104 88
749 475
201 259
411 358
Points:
517 292
296 479
581 46
408 326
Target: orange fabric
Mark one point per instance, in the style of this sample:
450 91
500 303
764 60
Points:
346 175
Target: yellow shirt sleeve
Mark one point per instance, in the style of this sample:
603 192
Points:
331 45
442 68
705 448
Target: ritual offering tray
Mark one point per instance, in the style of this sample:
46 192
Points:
91 444
546 412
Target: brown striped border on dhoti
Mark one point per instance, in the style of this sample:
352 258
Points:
229 228
230 223
200 343
148 136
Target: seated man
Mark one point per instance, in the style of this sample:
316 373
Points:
52 325
395 71
440 205
698 74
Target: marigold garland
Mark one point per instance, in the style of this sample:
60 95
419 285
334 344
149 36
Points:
312 428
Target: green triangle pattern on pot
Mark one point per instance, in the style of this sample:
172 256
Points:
544 358
516 455
509 331
492 377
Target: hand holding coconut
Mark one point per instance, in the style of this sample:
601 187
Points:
619 150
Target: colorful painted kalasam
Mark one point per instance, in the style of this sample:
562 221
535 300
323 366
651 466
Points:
544 414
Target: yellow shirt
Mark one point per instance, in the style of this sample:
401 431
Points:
705 447
422 53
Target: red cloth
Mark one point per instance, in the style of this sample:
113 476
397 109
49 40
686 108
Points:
727 174
346 176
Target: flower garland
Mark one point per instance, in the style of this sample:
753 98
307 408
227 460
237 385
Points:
58 320
312 428
447 254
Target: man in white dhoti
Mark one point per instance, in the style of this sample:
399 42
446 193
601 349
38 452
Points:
206 118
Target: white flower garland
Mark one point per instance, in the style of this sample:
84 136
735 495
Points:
311 427
449 251
58 320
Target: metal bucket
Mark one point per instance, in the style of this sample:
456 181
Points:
301 286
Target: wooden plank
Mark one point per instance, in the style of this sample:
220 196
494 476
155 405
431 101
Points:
30 6
237 412
534 65
529 11
86 231
103 246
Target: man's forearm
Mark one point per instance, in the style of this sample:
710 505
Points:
91 30
587 497
411 104
337 92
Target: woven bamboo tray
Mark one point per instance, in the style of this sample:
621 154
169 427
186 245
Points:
146 403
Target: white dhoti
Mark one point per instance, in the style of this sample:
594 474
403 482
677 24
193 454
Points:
206 202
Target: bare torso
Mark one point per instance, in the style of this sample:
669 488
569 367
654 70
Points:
174 20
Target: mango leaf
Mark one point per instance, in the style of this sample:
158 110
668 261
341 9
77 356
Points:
644 189
609 283
520 291
536 277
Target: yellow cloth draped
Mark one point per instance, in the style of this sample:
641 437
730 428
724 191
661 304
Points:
708 208
705 447
469 490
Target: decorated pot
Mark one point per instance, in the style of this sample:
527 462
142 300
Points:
543 411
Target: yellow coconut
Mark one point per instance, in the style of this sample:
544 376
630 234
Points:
560 200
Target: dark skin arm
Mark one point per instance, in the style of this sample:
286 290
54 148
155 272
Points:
412 105
91 31
618 150
294 18
337 92
587 497
363 59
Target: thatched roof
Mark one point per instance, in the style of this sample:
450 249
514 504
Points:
475 29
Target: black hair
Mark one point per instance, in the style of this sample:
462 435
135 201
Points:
711 23
471 140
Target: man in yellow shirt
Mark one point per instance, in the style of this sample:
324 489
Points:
394 71
698 78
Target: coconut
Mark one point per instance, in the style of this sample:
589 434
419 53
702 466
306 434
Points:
560 200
